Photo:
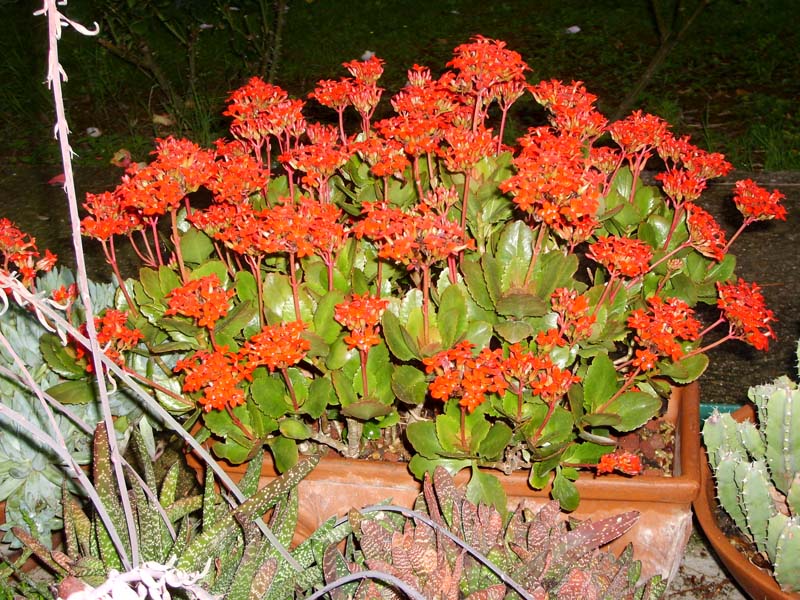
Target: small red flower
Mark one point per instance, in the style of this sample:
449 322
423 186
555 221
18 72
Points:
361 315
748 317
626 257
757 204
203 299
624 462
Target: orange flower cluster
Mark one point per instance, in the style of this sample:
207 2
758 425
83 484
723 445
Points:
203 299
483 64
20 254
260 109
660 327
624 462
361 315
705 234
623 257
461 375
572 108
218 374
555 185
276 347
114 335
574 321
756 203
418 238
748 317
538 373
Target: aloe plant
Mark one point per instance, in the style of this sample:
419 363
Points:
757 473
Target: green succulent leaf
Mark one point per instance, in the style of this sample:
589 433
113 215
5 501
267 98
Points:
485 488
634 409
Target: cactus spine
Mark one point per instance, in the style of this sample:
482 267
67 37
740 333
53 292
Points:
757 472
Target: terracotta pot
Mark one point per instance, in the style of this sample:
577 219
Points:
664 503
757 582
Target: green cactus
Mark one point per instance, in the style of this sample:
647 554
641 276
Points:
757 472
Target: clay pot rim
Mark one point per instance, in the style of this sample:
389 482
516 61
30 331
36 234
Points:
757 582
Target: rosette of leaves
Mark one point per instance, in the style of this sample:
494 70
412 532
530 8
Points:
505 297
190 532
449 547
31 475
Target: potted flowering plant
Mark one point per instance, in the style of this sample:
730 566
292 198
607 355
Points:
419 281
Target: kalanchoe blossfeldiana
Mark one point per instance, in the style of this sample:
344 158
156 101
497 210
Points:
531 302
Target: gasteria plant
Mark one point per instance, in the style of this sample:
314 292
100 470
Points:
509 307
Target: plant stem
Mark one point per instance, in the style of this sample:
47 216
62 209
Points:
290 387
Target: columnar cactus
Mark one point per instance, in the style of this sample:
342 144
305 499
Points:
757 472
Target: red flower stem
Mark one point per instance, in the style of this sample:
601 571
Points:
710 327
604 295
464 202
739 231
342 134
535 249
415 171
176 244
328 260
475 112
364 383
294 284
676 216
290 387
154 232
248 434
379 277
668 255
147 259
551 408
610 179
426 286
385 188
111 258
255 267
431 180
626 384
502 130
152 384
712 345
463 431
452 269
519 402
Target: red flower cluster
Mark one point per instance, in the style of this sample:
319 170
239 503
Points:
660 327
623 257
276 347
705 234
748 317
218 374
114 335
572 108
757 204
574 320
361 315
624 462
555 184
19 253
538 373
461 375
418 238
204 299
